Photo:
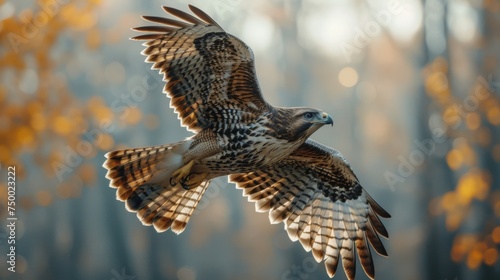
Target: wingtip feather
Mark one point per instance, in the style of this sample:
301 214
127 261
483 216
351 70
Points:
202 15
182 15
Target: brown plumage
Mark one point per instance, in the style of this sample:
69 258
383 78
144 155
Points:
211 82
315 193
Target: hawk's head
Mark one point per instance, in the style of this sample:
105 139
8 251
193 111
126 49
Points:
302 122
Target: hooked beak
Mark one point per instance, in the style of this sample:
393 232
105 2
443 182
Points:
326 119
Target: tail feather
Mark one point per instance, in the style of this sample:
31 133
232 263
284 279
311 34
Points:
128 169
142 179
178 208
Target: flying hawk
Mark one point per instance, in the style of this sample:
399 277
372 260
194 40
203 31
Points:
211 82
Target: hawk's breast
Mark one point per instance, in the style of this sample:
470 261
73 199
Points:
246 147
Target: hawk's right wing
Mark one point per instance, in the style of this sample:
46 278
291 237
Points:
210 74
316 195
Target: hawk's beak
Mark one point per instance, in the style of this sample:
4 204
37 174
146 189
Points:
327 119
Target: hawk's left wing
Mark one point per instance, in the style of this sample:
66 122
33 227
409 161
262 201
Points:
316 195
209 74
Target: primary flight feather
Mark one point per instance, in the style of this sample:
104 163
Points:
211 82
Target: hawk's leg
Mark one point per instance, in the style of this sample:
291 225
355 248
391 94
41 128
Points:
181 174
205 145
193 180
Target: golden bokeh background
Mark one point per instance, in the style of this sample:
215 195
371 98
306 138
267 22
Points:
413 87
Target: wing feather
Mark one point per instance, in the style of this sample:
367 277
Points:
167 21
318 197
202 15
182 15
154 28
332 257
204 67
375 240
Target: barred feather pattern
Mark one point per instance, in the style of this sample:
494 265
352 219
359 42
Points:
142 180
211 82
206 69
322 205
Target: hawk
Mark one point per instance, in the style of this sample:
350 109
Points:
212 85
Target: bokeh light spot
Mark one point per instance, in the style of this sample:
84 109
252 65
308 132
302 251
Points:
491 256
348 77
473 121
496 235
186 273
62 125
496 153
106 142
474 259
454 159
132 115
494 115
44 198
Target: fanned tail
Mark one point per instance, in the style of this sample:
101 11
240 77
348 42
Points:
141 177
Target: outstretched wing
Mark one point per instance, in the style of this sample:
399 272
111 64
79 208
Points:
316 195
210 74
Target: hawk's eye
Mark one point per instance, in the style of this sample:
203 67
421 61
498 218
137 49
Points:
309 116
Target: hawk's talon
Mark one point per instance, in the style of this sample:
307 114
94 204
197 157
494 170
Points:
195 179
174 183
190 181
181 175
183 183
183 172
185 186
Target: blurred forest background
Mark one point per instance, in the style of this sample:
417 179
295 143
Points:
413 87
